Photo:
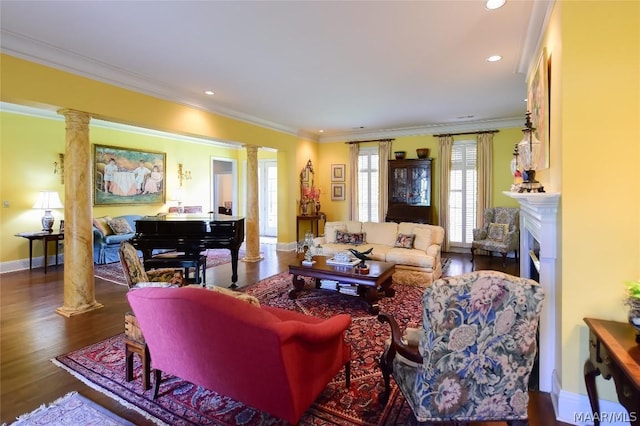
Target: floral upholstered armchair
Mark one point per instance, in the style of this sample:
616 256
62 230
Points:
136 275
472 359
500 232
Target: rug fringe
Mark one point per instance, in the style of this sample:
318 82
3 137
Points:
42 407
108 393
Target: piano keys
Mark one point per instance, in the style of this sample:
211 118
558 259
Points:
191 234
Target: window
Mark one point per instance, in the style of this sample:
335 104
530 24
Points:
368 185
463 193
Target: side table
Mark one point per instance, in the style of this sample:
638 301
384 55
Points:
46 237
613 353
313 219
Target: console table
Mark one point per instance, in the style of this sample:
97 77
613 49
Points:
313 219
614 352
46 237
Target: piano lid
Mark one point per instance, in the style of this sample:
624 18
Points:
188 217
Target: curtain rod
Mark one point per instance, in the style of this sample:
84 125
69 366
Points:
466 133
371 140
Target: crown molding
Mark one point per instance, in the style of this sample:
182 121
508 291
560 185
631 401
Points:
96 122
48 55
467 126
540 15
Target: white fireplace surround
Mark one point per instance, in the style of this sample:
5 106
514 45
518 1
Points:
539 222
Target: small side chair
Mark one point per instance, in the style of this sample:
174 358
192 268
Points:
500 232
473 356
136 275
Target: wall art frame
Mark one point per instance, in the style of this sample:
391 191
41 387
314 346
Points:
538 106
126 176
338 191
337 172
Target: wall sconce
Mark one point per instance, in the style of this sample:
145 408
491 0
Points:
58 167
183 174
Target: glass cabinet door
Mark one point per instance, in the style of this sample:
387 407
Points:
400 187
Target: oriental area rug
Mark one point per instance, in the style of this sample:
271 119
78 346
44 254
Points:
102 366
113 271
71 409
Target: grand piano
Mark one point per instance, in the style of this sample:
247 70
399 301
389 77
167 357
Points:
191 234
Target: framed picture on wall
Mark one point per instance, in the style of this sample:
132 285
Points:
337 191
337 172
538 106
128 176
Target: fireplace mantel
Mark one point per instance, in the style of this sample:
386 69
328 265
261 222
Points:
539 222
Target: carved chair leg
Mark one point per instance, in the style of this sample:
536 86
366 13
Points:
471 254
504 259
156 382
518 422
386 375
347 374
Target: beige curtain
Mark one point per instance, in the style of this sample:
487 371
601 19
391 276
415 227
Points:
445 144
485 172
354 148
384 152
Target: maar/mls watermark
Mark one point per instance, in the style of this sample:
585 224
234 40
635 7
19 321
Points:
605 417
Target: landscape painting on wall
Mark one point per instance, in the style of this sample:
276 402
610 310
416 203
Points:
128 176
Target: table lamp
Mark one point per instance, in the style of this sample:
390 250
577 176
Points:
48 200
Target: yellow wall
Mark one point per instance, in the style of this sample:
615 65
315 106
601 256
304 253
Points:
595 139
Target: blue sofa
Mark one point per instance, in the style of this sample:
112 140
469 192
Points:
105 248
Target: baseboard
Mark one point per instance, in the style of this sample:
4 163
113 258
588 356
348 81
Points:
575 409
22 264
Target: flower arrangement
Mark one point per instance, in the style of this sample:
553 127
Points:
633 301
311 194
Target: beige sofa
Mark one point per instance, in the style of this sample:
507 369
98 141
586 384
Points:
419 264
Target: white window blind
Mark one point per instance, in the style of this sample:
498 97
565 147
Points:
368 186
463 193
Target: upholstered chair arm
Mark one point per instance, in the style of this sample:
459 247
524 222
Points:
409 351
480 234
166 275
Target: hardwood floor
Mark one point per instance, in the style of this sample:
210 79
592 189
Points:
32 333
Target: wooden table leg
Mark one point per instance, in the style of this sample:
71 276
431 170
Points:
298 286
45 242
590 374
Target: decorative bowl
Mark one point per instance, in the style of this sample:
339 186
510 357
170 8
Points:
400 155
422 153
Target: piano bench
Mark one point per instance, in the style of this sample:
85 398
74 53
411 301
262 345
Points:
181 260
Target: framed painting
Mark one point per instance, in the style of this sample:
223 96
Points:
337 172
337 191
538 106
128 176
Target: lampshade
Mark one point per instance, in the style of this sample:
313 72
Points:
48 200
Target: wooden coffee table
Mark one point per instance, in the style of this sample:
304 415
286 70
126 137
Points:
369 286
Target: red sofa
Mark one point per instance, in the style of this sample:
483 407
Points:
274 360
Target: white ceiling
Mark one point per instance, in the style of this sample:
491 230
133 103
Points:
355 69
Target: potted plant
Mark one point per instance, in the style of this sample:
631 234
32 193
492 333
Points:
633 301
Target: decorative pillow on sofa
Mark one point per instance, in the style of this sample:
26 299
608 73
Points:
355 238
101 223
423 238
405 241
497 231
120 225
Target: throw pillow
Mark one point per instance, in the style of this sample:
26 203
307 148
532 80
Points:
120 225
236 294
102 225
423 238
405 241
355 238
497 231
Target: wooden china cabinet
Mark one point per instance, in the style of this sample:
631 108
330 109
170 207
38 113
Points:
410 191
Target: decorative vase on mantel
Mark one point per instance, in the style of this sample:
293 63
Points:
304 208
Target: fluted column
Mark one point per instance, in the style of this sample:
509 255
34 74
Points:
79 281
253 215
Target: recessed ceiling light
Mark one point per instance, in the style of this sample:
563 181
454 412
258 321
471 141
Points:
494 58
494 4
209 92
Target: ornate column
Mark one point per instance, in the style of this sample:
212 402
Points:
79 281
253 215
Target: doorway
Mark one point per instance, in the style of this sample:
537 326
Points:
268 199
224 190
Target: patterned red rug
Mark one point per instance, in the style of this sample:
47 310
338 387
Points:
101 366
113 271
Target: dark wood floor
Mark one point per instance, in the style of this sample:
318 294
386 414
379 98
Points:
32 333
